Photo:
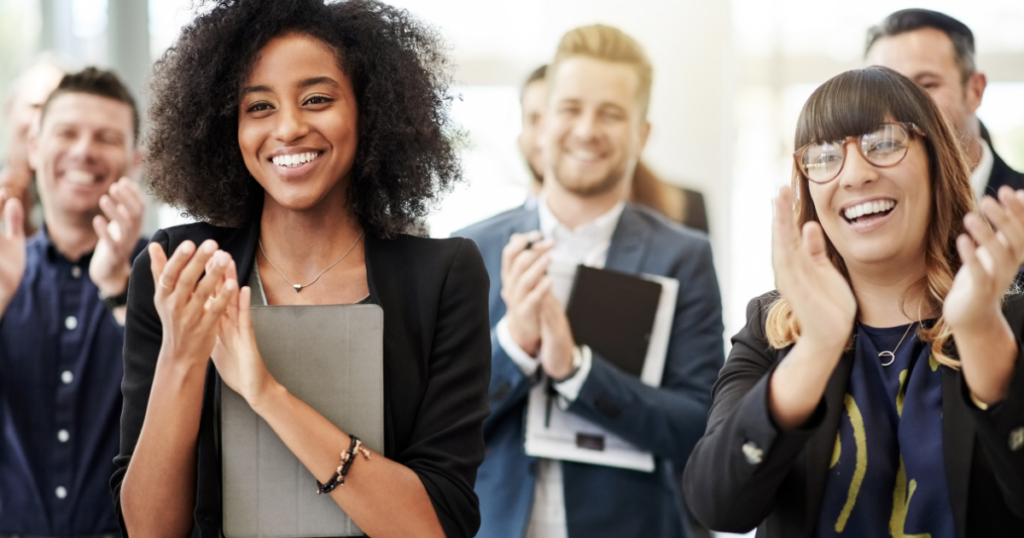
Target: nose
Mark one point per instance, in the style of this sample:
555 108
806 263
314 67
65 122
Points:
585 128
82 148
857 171
290 124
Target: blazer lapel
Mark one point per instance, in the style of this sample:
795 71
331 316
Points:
957 445
241 245
821 445
630 242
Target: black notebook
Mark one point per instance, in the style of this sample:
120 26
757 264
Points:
613 313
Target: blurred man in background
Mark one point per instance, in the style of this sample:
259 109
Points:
21 110
62 301
594 130
532 101
682 205
937 52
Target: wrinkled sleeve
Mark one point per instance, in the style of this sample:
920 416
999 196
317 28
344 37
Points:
142 340
447 444
726 488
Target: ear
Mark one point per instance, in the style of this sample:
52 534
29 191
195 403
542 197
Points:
974 90
33 148
645 132
138 157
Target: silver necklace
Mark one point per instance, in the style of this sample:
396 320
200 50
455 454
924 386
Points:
891 354
298 287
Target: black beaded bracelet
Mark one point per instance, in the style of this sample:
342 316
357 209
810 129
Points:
338 479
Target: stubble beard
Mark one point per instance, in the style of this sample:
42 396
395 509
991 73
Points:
595 188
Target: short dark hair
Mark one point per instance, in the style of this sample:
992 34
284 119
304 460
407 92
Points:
406 154
537 75
95 81
909 20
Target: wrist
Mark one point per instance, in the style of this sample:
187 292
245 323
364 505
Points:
264 398
529 346
114 283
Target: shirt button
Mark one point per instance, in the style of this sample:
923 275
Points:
1017 439
753 453
63 436
76 271
71 322
61 492
67 377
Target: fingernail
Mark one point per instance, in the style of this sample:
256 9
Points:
209 247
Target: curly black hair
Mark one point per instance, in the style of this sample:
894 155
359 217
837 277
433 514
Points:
405 158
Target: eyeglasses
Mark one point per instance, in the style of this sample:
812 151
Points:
884 147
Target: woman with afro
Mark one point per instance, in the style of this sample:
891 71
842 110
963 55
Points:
305 137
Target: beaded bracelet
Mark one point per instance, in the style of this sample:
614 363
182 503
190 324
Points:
347 457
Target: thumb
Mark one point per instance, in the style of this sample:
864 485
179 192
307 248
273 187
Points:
157 260
14 219
814 241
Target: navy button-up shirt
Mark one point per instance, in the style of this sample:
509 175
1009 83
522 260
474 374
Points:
60 399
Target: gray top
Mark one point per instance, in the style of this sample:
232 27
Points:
330 357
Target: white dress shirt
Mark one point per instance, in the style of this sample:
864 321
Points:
982 172
587 244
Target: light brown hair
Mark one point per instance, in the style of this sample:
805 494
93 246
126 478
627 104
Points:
854 103
610 44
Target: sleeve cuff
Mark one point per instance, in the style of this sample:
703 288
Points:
570 388
523 360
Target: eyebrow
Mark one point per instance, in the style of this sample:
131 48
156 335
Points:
305 83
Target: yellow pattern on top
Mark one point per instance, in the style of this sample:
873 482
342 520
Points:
836 451
933 363
861 468
901 505
901 394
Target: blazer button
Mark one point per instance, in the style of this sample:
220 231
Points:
1017 439
753 453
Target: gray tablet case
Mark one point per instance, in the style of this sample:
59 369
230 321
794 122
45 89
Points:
332 358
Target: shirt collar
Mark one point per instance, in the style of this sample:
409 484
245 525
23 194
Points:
601 227
983 171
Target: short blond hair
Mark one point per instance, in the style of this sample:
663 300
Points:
611 45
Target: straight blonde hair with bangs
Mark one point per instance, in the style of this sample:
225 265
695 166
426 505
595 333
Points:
609 44
854 103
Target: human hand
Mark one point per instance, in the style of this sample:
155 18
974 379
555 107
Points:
556 340
235 355
189 306
821 299
990 262
523 286
118 234
12 247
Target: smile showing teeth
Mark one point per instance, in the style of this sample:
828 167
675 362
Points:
79 177
868 208
298 159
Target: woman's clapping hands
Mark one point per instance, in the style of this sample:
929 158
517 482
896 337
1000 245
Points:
819 295
188 302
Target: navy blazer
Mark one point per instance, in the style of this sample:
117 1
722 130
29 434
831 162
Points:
781 493
606 501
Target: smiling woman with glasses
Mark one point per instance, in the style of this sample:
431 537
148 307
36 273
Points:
880 390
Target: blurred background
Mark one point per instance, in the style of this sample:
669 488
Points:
730 79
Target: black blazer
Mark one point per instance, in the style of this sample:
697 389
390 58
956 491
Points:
732 487
1002 174
437 353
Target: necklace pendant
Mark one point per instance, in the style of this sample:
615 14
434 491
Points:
298 287
892 357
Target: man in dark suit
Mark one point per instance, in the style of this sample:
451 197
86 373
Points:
937 51
593 133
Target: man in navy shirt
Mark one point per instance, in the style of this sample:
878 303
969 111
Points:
62 297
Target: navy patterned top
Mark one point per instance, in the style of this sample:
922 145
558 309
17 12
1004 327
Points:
887 476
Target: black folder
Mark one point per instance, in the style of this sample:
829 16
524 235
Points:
613 313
